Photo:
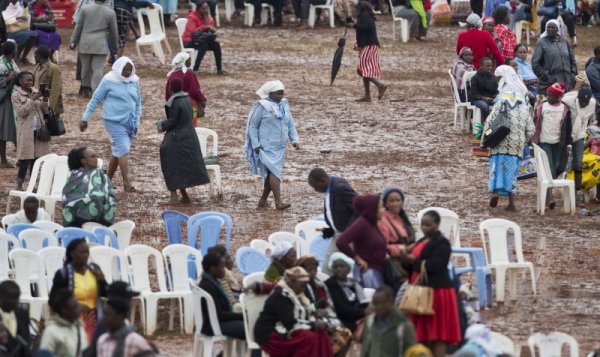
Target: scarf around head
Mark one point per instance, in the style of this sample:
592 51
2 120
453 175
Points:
510 87
553 21
115 75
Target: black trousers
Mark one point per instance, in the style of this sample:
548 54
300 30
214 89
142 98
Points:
24 166
477 7
233 329
214 46
278 7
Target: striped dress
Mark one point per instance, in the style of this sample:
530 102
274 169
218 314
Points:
368 46
368 62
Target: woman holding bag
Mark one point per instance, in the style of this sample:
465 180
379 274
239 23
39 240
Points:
443 327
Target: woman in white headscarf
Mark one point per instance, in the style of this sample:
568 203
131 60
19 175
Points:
283 257
120 92
270 126
181 70
506 156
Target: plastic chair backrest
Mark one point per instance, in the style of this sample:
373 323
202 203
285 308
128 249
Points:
266 248
497 237
8 220
172 221
449 225
394 17
68 234
139 259
35 239
210 232
467 81
47 176
252 305
106 236
542 165
155 20
507 346
7 243
200 295
308 230
15 229
23 262
455 94
258 277
89 226
550 345
180 24
176 257
53 258
203 135
112 262
322 276
48 226
35 171
249 261
278 237
123 230
225 217
318 247
61 174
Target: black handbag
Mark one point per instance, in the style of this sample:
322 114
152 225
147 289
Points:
498 129
54 123
42 134
46 26
201 37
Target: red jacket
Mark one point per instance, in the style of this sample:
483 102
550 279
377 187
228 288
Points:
195 23
481 43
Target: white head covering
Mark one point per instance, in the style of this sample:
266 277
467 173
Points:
115 75
179 62
268 88
510 87
553 21
474 20
281 249
12 11
340 256
480 334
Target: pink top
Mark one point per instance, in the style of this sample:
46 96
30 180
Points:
386 225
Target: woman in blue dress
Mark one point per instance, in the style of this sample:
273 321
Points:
270 126
120 92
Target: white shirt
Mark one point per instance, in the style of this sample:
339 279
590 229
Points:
551 117
581 118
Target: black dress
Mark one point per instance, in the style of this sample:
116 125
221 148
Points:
180 156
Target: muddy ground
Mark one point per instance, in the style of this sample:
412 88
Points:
405 139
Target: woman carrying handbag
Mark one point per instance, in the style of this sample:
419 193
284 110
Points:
433 253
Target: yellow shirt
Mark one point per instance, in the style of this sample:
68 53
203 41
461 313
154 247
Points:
85 288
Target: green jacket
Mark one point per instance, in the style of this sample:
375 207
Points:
393 342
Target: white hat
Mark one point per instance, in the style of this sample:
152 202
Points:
281 249
268 88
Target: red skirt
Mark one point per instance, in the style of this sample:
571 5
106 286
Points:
444 324
303 343
368 62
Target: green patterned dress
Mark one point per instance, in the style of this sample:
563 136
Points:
88 196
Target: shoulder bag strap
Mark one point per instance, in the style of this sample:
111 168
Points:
78 341
423 280
398 235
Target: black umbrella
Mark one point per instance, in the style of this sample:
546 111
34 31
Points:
337 57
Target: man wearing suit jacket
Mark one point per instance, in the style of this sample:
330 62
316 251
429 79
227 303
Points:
338 209
90 34
15 318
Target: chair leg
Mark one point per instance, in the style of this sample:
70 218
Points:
151 312
188 310
571 193
488 289
171 313
393 31
512 284
481 286
311 16
208 346
8 201
500 281
331 18
533 282
543 193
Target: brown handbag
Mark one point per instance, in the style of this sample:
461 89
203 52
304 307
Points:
418 298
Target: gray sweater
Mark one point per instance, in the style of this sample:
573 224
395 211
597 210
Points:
554 61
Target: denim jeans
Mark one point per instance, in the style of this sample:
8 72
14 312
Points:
485 109
372 278
578 155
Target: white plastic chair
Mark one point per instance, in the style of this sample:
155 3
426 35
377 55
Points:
262 246
249 14
497 255
462 110
48 226
308 231
404 30
519 25
157 32
123 230
24 261
279 237
322 276
550 345
33 239
9 219
476 112
369 293
312 13
139 257
506 345
112 262
176 257
89 226
53 258
258 277
180 24
449 225
203 344
252 305
35 175
7 242
204 135
51 191
545 181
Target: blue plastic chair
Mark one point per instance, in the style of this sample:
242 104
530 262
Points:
483 274
318 247
210 232
15 229
104 233
249 260
68 234
172 221
225 217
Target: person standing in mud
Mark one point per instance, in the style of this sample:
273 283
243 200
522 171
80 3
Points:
270 125
367 45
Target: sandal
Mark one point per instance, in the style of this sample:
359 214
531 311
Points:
363 100
382 92
494 201
284 206
130 188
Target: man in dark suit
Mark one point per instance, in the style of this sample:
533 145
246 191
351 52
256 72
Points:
15 318
338 209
